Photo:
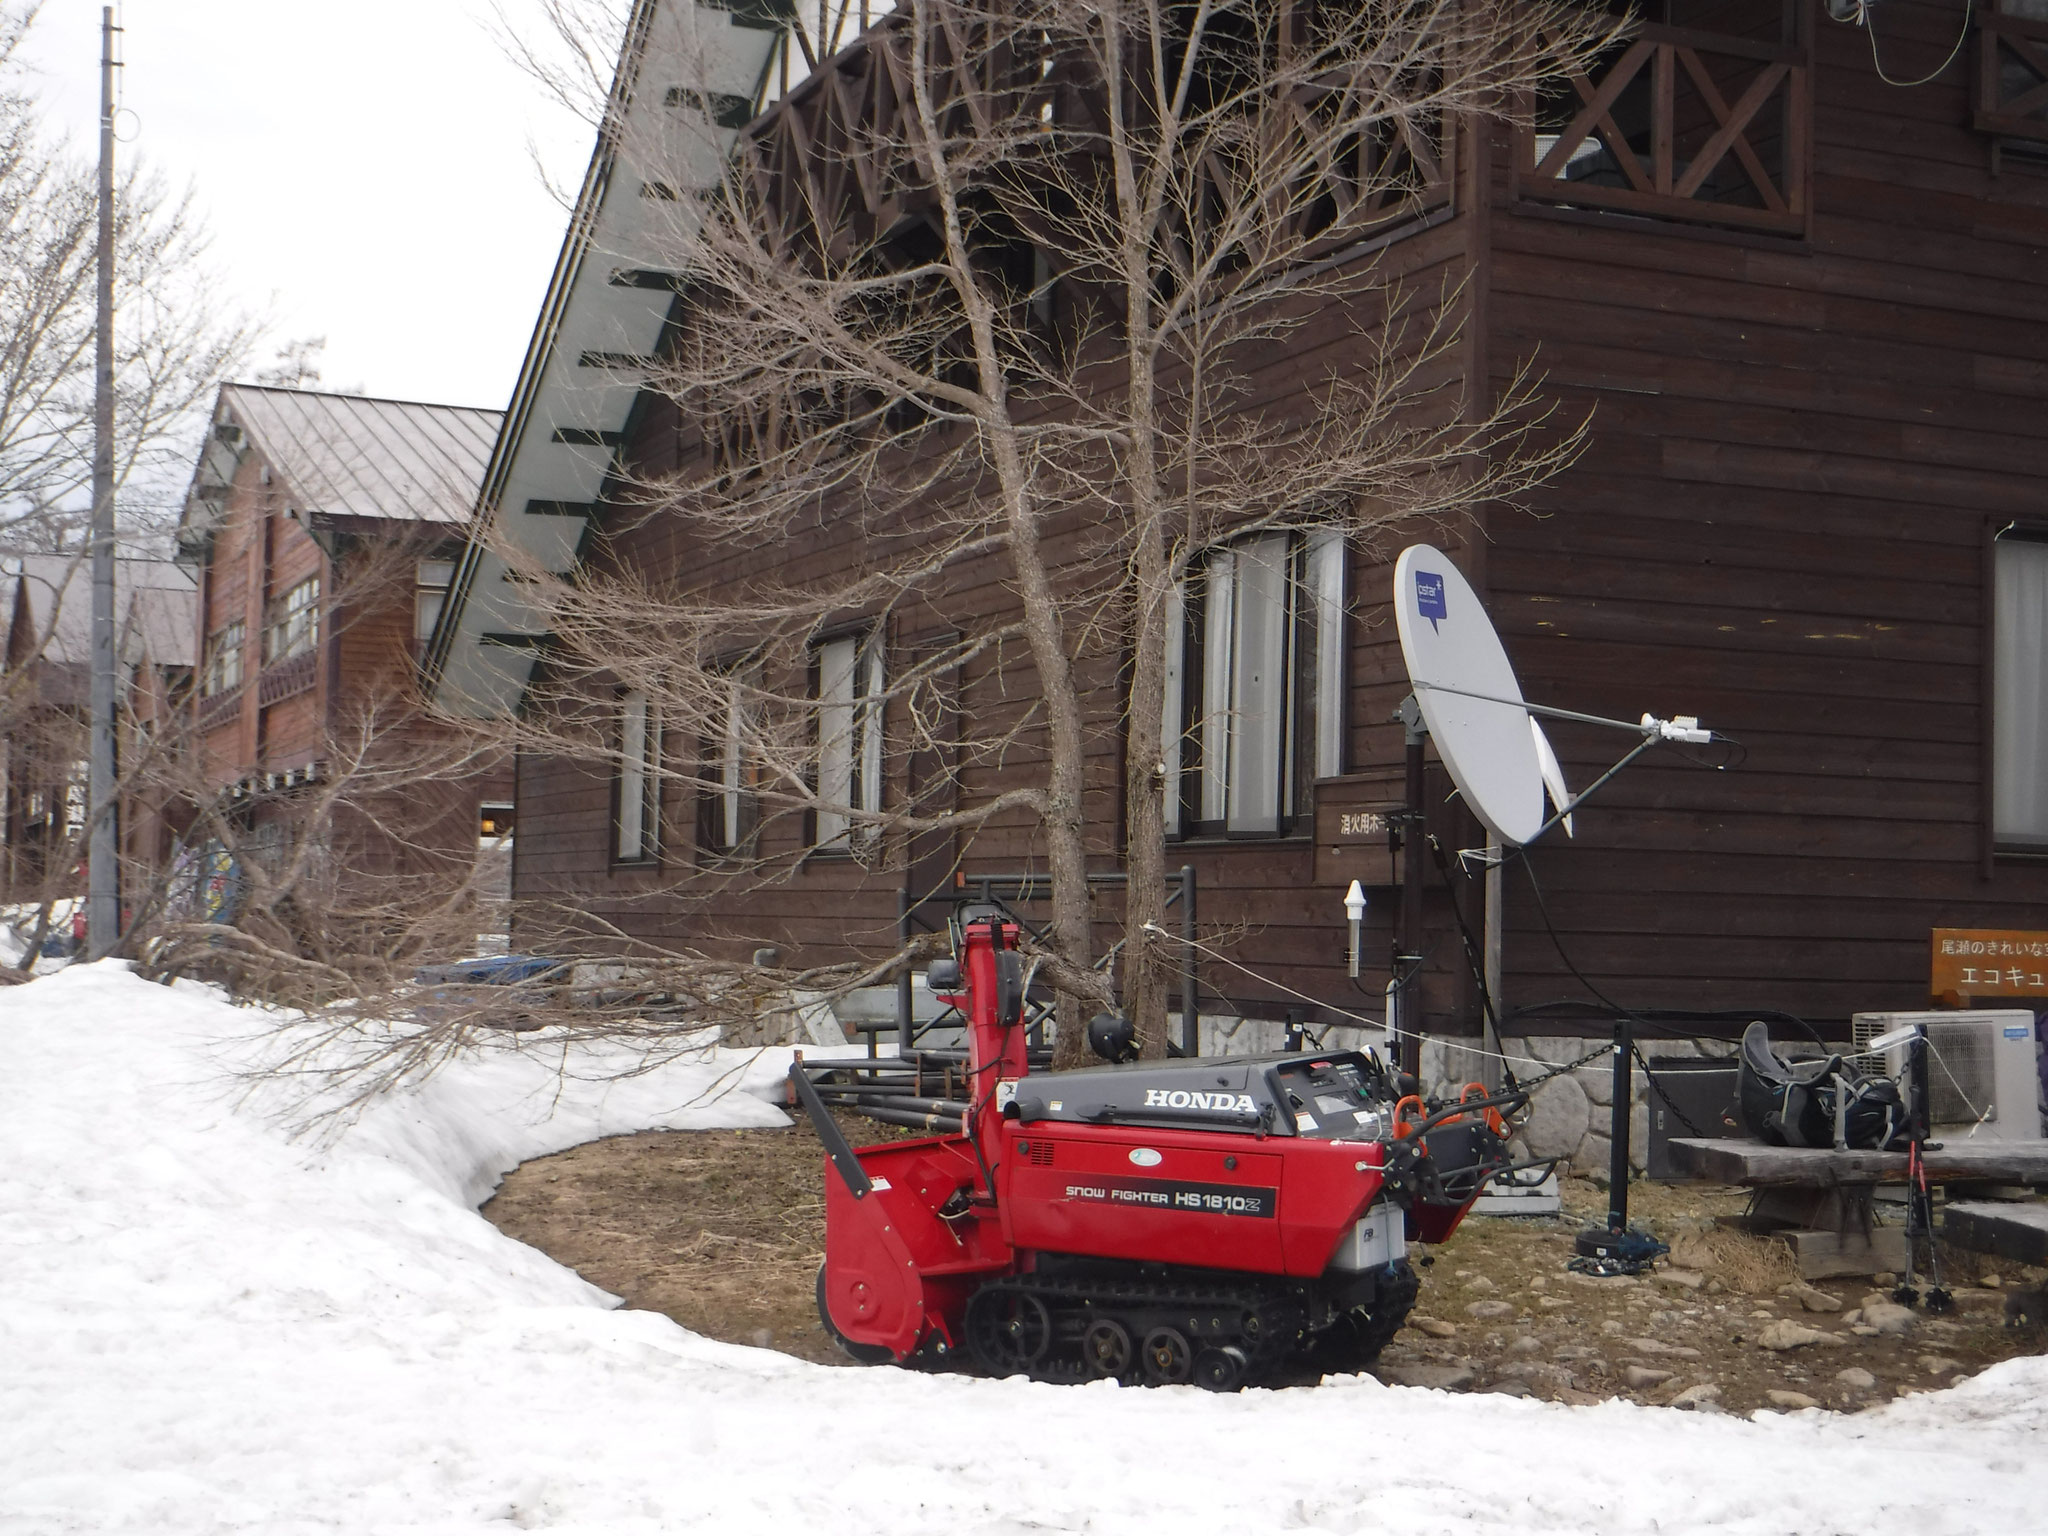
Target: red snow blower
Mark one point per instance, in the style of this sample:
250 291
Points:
1222 1221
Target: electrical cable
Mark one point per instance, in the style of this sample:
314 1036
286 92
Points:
1650 1019
1471 1050
1863 15
1472 956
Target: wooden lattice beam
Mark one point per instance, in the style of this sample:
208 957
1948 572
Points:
1675 61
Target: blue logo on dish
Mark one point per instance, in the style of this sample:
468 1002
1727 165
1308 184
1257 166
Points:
1429 597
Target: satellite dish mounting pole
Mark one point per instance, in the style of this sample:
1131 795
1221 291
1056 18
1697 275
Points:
1407 1015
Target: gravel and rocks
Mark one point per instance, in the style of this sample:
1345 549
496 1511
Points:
1785 1334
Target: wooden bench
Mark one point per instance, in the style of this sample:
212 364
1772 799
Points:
1821 1201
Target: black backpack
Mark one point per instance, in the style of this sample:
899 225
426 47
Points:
1792 1103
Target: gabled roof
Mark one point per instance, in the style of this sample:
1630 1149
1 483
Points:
50 606
161 626
344 456
684 65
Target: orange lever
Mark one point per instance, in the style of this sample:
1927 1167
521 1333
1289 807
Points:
1494 1122
1403 1126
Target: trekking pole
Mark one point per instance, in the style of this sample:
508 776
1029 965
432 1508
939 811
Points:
1938 1299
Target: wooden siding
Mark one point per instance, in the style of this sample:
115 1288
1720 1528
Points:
1799 451
1255 896
1799 447
286 713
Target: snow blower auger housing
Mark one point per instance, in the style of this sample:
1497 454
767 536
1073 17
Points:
1220 1221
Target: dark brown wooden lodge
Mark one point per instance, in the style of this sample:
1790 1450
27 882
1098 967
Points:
1806 309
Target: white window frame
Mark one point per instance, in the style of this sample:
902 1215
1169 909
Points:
2019 682
295 622
847 682
224 659
431 579
729 822
636 782
1261 699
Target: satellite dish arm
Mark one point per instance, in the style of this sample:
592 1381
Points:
1682 728
1591 789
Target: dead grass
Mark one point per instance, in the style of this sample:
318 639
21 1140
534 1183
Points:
723 1231
1754 1266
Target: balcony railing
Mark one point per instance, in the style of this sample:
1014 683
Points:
282 679
218 710
1681 125
2012 77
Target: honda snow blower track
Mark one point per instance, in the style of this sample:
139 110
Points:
1220 1221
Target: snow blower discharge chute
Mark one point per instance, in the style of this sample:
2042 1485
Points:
1222 1221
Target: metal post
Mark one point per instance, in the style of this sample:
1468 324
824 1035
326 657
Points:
1408 962
1190 1006
1489 1024
103 876
903 982
1618 1126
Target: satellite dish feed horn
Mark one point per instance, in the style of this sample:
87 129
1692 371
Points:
1492 746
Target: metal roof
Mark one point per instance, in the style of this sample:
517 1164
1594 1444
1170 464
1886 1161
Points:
155 607
599 327
353 456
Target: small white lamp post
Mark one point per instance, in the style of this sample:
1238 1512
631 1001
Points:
1354 910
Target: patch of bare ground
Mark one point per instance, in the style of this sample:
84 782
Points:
724 1230
721 1230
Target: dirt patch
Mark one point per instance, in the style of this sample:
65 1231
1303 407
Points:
721 1230
724 1231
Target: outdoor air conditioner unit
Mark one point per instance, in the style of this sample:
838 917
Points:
1983 1077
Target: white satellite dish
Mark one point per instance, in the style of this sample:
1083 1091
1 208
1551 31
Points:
1468 694
1486 732
1553 776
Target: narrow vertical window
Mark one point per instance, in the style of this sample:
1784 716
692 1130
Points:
1256 655
294 624
848 671
1323 592
429 595
2019 706
1172 705
1219 594
637 781
223 660
1258 688
728 804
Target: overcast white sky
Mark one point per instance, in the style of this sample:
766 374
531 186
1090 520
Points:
364 167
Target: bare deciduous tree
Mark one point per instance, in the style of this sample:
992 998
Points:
176 336
1013 337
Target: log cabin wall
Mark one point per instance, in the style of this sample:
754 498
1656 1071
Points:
1807 422
1806 313
1257 897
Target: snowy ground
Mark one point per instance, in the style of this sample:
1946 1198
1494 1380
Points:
207 1326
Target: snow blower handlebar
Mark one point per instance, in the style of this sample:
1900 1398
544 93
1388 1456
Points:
858 1184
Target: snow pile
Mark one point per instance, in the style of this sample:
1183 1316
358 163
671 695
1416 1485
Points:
209 1327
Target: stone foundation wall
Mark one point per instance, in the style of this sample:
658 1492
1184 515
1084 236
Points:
1571 1115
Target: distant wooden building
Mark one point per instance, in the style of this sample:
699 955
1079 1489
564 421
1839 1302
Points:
46 601
322 529
1806 309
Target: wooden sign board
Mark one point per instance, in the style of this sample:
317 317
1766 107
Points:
1353 830
1989 962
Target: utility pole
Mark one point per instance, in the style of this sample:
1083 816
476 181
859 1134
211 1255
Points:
103 875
